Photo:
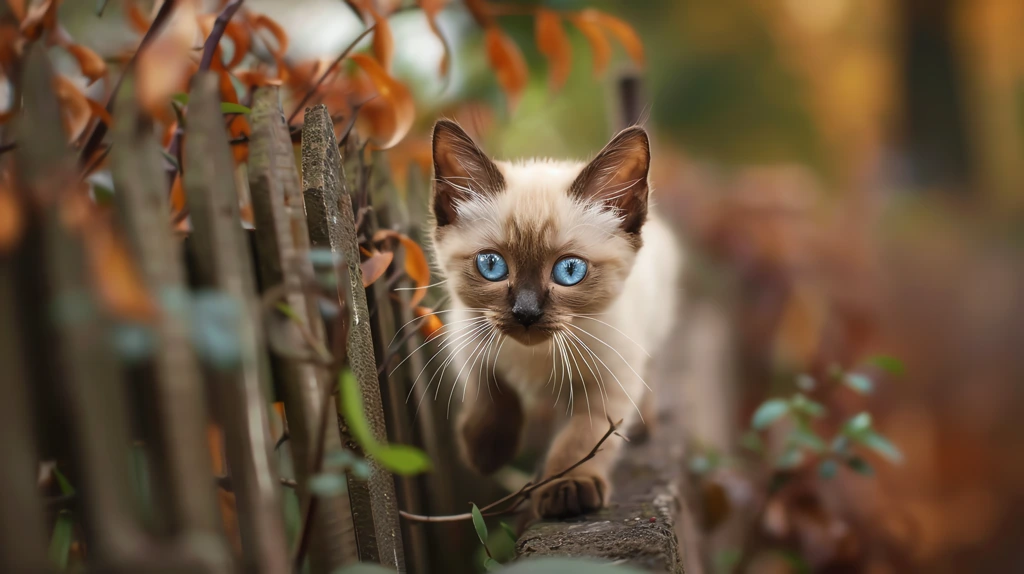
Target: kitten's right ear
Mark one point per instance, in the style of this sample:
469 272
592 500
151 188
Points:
461 171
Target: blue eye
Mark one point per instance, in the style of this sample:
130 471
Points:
569 271
492 266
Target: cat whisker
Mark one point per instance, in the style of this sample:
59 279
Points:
447 331
402 328
474 356
621 386
617 330
449 339
614 350
477 334
494 365
420 288
583 382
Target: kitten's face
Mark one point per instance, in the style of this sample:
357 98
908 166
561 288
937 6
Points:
530 245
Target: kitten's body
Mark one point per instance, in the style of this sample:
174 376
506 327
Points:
585 346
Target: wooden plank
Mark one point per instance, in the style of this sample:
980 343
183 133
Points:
89 382
239 376
282 246
332 225
177 415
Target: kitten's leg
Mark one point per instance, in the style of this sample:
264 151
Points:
488 428
586 487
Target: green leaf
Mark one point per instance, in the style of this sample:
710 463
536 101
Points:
102 194
858 382
805 437
508 530
790 458
891 365
62 481
882 446
769 412
860 466
400 459
828 469
328 484
230 108
491 565
805 383
479 525
726 559
225 107
857 426
803 405
60 541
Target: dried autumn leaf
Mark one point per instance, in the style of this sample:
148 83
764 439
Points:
136 19
600 47
383 39
164 66
91 64
390 115
114 274
40 17
237 32
374 267
430 325
507 62
17 8
623 32
11 222
416 265
554 44
263 22
74 107
431 9
100 112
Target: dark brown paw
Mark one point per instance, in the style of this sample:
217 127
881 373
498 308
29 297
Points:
570 496
489 437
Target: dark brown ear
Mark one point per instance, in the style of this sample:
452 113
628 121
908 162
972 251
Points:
617 177
461 171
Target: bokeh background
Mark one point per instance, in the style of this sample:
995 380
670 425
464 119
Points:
849 177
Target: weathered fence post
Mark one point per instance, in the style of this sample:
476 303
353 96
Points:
239 374
176 435
88 380
282 245
332 225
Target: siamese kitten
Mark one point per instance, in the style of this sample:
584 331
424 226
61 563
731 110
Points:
561 281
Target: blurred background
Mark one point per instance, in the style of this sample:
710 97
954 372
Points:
849 177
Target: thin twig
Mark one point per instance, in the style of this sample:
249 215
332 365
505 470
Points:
521 495
8 147
224 483
219 26
100 130
341 56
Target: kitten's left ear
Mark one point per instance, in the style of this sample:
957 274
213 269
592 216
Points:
617 177
461 171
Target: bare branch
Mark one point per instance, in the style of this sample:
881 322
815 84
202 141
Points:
219 26
514 500
327 72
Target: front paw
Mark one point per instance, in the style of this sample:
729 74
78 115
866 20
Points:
571 496
489 437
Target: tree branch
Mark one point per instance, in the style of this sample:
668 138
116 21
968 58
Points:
219 26
515 499
341 56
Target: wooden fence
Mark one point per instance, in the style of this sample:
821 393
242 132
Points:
112 385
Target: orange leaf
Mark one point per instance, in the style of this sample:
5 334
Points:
114 273
600 47
40 17
383 40
177 196
136 19
416 265
163 67
236 31
261 21
375 266
97 109
431 324
622 31
389 116
11 222
74 107
18 8
554 44
91 64
431 8
508 63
